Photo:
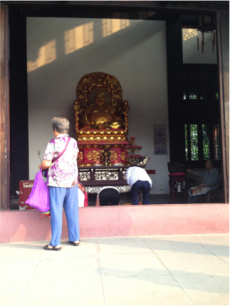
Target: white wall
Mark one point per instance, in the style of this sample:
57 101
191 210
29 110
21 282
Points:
61 50
191 55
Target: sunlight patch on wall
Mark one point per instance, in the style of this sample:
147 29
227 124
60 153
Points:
110 26
46 55
189 33
78 37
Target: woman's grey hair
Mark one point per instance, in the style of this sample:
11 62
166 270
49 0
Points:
61 125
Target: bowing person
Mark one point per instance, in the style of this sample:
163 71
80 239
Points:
138 180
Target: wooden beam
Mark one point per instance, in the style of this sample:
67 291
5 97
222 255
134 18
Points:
207 5
4 113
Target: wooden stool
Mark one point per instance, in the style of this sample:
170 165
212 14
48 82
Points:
215 194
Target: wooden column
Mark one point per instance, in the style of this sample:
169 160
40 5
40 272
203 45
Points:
4 113
223 65
175 88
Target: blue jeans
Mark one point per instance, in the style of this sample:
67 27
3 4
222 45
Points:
67 197
144 186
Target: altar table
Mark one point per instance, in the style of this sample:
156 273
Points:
95 177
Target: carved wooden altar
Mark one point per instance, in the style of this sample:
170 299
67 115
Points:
101 125
93 178
96 176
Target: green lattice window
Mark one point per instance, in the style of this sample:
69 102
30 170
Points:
206 141
186 141
194 142
208 145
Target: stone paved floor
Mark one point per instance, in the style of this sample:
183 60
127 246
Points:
150 270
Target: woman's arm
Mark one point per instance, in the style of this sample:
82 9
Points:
201 174
45 164
49 152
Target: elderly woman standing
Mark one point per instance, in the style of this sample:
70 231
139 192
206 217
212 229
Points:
62 179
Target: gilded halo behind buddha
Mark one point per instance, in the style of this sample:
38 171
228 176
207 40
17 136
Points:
100 113
101 120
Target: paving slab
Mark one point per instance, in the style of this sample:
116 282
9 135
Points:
159 290
143 270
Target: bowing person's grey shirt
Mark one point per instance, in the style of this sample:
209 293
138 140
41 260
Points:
211 179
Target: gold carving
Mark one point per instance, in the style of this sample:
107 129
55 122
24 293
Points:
124 174
125 188
106 175
94 155
144 161
123 154
122 189
85 165
84 176
114 156
80 156
90 82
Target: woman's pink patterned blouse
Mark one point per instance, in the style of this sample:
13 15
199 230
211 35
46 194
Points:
63 172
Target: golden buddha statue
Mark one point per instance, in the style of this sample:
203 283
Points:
101 115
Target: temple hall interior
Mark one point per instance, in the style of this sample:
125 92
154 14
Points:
161 64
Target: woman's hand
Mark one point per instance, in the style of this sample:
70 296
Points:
190 171
45 164
194 191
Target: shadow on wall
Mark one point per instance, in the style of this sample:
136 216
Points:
83 35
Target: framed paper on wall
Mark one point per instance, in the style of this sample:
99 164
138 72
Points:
160 139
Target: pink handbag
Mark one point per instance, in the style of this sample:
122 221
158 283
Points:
39 196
